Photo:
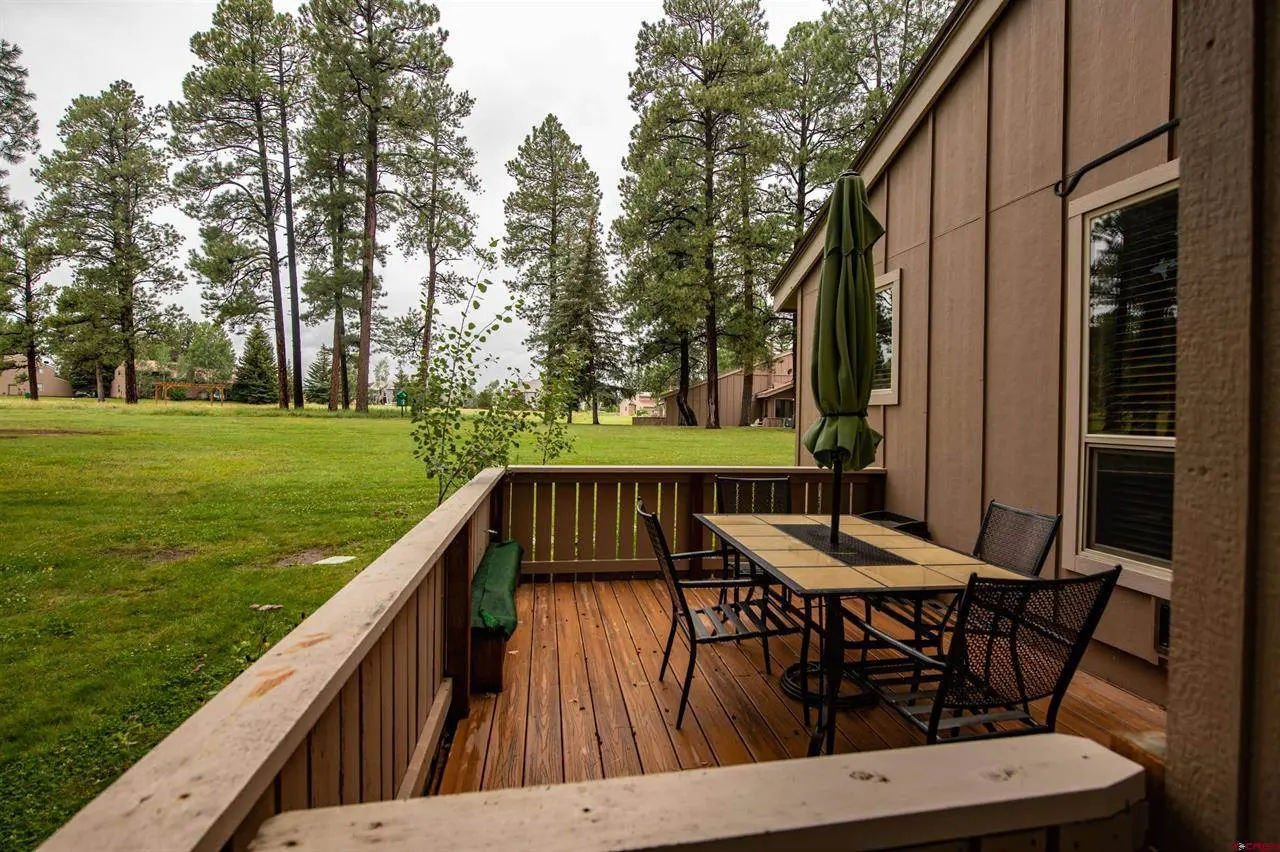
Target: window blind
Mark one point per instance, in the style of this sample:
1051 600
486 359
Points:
1133 314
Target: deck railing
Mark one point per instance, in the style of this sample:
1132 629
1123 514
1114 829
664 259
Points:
348 708
576 518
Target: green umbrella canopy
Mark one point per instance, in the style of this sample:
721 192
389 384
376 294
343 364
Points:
844 335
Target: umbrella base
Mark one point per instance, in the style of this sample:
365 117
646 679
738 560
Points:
853 693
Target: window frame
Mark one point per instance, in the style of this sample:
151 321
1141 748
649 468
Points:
891 281
1147 577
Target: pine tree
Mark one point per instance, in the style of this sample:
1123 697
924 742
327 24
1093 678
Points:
379 51
700 71
18 124
660 284
225 130
438 172
319 376
331 203
585 322
255 381
26 256
881 42
83 338
555 191
101 192
209 357
816 120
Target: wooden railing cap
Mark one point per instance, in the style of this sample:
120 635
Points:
874 800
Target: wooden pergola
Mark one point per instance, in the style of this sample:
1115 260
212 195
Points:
161 389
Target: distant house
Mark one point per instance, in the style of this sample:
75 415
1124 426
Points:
48 382
772 396
640 404
155 368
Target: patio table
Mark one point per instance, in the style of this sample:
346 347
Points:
869 560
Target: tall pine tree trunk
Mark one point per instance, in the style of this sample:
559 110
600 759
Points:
97 378
370 248
335 373
429 308
29 318
273 259
748 302
291 248
687 416
709 281
128 335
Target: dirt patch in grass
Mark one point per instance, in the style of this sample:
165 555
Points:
42 433
152 557
170 554
306 557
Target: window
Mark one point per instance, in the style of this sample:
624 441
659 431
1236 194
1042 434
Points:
884 380
1130 342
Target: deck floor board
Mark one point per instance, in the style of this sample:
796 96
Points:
582 698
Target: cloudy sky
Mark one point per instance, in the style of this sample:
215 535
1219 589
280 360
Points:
520 59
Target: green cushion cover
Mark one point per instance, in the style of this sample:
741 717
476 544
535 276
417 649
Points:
493 591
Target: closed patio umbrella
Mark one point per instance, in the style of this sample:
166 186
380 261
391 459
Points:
844 339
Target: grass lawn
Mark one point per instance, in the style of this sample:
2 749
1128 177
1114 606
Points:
133 541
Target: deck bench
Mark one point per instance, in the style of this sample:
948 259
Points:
493 613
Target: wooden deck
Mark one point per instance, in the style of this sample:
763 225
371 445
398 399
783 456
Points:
582 700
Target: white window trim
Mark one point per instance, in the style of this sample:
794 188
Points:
1140 576
892 281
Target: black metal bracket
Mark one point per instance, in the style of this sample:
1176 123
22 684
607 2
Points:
1064 187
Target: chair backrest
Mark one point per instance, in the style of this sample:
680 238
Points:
666 565
741 495
1017 539
1017 641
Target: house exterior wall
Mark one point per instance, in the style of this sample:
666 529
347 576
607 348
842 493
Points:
50 384
776 372
974 225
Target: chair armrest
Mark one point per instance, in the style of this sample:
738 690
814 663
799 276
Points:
744 583
696 554
923 659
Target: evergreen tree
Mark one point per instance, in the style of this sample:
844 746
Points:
331 203
816 120
101 192
585 322
255 381
438 172
660 285
18 124
555 191
25 299
379 51
83 339
881 43
319 375
225 130
702 73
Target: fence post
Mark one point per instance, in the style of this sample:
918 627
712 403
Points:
696 488
457 619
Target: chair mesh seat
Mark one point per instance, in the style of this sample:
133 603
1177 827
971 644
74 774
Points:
1015 642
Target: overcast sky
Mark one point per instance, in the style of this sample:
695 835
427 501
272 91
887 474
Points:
520 59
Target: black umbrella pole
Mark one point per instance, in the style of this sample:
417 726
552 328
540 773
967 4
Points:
835 500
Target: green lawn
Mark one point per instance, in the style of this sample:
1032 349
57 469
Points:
133 541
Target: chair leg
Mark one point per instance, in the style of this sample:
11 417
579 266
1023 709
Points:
688 681
804 659
666 655
764 619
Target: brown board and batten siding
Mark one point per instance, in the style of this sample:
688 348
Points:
1019 93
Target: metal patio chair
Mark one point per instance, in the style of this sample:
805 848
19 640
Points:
1010 537
741 495
720 622
1015 642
